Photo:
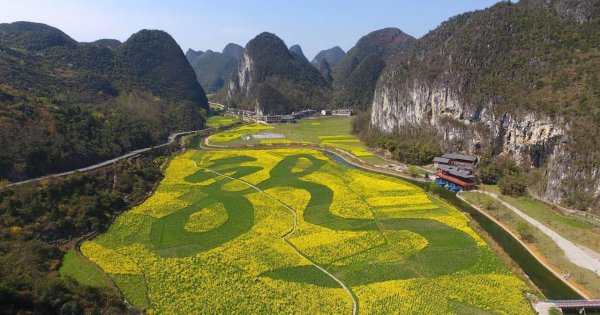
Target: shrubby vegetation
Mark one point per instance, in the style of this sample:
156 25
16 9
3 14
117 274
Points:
35 217
65 105
416 146
504 172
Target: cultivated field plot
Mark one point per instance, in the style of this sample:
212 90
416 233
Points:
211 240
326 131
221 121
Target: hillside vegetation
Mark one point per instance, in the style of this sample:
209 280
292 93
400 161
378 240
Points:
518 79
213 69
64 104
272 79
36 217
357 73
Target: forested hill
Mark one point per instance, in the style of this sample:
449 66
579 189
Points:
517 79
333 56
212 68
65 104
273 80
356 75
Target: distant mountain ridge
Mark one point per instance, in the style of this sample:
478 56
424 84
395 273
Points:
356 75
106 42
297 51
269 77
65 104
333 56
213 69
233 50
191 54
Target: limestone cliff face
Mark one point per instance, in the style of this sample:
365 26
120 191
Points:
532 139
272 80
527 137
476 84
242 81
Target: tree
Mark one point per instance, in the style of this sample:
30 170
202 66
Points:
513 184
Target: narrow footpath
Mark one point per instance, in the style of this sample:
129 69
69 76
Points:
288 234
587 259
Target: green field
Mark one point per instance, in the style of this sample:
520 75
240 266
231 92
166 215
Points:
210 240
333 132
221 121
82 270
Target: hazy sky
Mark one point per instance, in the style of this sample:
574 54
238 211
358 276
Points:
202 24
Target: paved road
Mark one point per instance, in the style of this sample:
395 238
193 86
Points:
577 255
170 140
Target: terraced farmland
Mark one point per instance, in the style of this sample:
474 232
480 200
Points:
243 231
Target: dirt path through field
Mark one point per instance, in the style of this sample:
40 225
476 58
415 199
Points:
288 234
585 258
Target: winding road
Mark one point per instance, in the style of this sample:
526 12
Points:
170 140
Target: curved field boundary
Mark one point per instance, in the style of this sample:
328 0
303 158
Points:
285 236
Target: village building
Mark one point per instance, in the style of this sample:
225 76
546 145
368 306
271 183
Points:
275 119
342 112
456 171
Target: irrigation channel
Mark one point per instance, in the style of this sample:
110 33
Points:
544 279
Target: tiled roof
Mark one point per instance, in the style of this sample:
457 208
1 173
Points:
464 157
441 160
455 171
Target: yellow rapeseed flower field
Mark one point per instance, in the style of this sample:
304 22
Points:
207 219
203 243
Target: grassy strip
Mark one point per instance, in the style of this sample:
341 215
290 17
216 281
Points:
537 240
82 270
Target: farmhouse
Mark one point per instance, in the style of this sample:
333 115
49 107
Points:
274 119
455 171
342 112
461 160
304 113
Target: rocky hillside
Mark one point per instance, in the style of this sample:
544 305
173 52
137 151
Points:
65 104
270 79
191 54
333 56
213 69
325 70
521 80
297 50
233 50
355 76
